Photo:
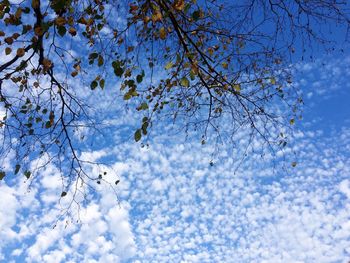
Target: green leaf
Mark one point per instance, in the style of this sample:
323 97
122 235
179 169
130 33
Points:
48 124
137 135
144 128
93 85
143 106
61 30
127 96
93 55
184 82
27 174
118 71
17 168
139 78
2 175
196 15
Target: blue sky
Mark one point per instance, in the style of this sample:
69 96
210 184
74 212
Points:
171 205
175 207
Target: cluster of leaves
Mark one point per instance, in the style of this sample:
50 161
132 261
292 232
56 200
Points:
209 65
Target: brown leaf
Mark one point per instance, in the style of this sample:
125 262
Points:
47 64
8 40
60 21
20 52
72 31
179 5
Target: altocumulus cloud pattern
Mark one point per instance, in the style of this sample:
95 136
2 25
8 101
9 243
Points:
176 207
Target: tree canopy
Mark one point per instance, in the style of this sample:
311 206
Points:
194 60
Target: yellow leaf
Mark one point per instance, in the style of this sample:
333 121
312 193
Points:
224 65
162 33
74 73
169 65
237 87
157 16
184 82
146 19
8 50
273 81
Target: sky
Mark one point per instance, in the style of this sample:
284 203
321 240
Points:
180 201
171 205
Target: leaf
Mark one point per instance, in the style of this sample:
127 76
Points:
273 81
224 65
93 55
60 21
93 85
61 30
72 31
162 33
139 78
17 168
47 63
157 16
20 52
48 124
292 121
8 40
27 174
100 61
196 15
127 96
184 82
169 65
143 106
137 135
2 175
294 164
63 194
179 5
102 83
8 51
237 87
117 182
118 71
